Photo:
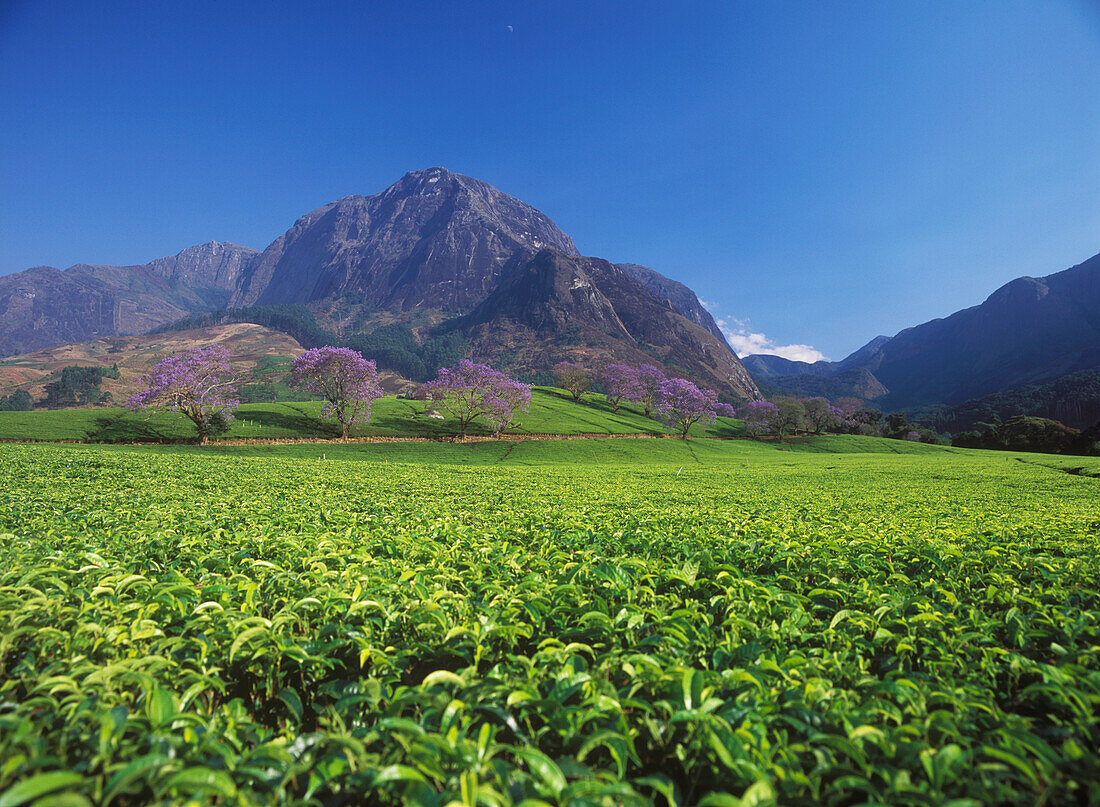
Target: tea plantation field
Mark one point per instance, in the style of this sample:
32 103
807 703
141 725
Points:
548 623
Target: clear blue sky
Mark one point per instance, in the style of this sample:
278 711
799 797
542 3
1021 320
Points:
819 173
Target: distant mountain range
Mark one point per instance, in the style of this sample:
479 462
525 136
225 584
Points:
439 255
1030 331
45 307
436 251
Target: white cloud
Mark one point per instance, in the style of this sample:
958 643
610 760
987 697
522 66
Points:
745 342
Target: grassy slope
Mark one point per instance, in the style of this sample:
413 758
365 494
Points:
552 412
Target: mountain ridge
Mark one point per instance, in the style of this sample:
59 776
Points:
427 250
44 306
1027 331
402 247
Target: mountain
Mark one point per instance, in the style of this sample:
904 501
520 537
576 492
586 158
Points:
1073 400
682 298
44 306
555 307
1029 331
414 259
433 239
763 365
866 356
215 268
855 383
767 366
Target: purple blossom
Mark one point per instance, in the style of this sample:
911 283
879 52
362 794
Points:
197 383
476 390
758 416
682 404
343 378
725 410
620 383
649 380
820 414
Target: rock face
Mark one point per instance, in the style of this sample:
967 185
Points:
44 307
682 298
433 240
213 266
556 306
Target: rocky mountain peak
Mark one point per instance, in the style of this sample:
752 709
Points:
433 239
213 265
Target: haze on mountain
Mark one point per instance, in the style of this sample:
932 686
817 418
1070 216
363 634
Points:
1030 331
438 251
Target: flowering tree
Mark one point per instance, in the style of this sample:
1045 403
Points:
758 416
725 410
620 383
649 380
572 377
476 390
197 383
682 405
340 375
820 415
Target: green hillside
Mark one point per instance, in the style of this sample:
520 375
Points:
552 412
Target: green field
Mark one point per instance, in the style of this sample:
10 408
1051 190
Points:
556 622
551 412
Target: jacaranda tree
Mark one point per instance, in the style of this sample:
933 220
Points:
649 380
573 378
198 383
725 410
347 382
471 390
758 416
682 404
620 383
820 415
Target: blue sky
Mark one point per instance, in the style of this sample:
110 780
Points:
819 173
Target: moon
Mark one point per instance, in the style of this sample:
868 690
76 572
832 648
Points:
510 28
